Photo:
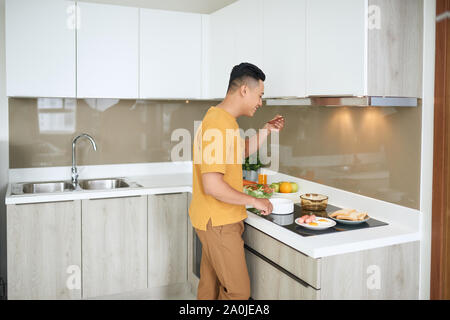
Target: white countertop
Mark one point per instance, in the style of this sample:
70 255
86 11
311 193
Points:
155 178
336 243
160 178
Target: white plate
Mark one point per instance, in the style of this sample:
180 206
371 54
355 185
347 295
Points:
290 193
321 224
294 196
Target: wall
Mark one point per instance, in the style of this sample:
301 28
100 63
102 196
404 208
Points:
440 240
125 131
3 143
370 151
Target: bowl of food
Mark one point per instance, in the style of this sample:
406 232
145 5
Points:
258 190
314 201
282 206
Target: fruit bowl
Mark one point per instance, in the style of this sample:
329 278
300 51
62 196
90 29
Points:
297 194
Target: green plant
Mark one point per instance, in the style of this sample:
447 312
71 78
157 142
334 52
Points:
252 166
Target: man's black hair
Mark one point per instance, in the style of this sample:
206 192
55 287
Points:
242 72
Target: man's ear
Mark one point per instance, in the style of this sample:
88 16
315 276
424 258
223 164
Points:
243 90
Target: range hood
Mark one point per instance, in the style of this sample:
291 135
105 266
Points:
351 101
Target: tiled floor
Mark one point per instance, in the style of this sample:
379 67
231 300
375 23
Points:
183 296
176 292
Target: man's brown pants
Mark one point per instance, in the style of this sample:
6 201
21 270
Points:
223 270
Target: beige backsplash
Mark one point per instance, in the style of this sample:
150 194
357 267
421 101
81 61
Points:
370 151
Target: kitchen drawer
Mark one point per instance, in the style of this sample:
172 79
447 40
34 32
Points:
295 262
269 282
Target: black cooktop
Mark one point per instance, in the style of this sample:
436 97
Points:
287 221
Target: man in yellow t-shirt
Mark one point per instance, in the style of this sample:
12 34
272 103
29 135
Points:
217 208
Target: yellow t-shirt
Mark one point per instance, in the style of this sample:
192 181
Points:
218 147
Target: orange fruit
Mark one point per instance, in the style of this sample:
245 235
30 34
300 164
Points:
285 187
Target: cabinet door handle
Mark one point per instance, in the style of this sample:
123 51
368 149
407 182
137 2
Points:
166 194
24 204
114 198
273 264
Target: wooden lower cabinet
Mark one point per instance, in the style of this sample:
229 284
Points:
167 239
44 250
293 261
114 250
390 272
268 282
278 271
97 248
101 247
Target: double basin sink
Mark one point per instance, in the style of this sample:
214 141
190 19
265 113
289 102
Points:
80 185
64 186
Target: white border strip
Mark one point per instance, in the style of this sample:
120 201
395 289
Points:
426 158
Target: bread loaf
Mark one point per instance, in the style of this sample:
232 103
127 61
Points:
349 214
342 212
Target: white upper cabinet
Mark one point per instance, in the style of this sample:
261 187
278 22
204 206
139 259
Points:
221 51
59 48
335 44
284 48
40 48
171 54
107 51
247 22
235 36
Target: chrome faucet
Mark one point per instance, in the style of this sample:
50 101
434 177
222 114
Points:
74 165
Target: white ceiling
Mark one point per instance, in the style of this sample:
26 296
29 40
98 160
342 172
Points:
198 6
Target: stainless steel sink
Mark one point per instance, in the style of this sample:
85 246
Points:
103 184
46 187
67 186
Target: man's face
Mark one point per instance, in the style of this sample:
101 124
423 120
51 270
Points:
253 97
